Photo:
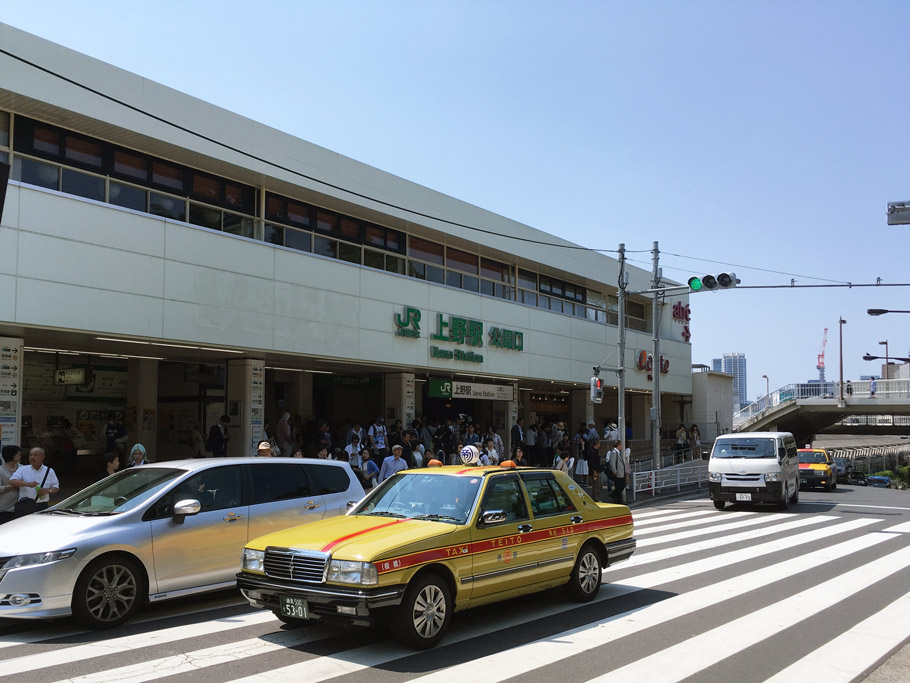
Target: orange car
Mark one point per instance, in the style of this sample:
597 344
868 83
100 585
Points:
817 469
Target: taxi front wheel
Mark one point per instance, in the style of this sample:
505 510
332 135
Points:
425 613
584 582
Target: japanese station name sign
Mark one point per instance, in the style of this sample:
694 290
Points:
446 388
453 329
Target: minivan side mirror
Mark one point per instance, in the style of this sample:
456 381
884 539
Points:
184 508
781 453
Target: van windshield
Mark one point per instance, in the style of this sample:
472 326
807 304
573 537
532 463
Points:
744 448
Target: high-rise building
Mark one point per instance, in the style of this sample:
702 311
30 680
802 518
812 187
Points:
735 364
717 364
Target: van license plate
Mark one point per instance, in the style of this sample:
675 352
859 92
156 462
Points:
293 607
744 496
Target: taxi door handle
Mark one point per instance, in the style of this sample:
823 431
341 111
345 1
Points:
233 517
311 505
524 528
576 519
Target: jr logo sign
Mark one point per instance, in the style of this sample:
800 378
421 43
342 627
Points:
409 326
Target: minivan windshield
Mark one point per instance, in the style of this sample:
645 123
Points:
433 497
744 448
121 492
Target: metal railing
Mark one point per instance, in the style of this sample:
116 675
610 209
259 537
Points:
885 388
655 482
673 478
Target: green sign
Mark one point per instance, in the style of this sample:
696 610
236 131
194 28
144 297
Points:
440 388
410 325
457 330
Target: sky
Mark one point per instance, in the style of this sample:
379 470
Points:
763 138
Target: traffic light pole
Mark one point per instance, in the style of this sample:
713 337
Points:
621 348
655 360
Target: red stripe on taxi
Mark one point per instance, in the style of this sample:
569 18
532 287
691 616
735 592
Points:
331 545
490 544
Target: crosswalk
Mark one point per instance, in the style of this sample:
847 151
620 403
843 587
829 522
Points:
747 595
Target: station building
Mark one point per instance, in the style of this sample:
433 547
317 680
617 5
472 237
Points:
167 260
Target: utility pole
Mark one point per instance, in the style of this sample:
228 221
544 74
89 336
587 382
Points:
621 348
655 359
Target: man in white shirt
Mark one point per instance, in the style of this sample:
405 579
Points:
353 451
29 479
377 436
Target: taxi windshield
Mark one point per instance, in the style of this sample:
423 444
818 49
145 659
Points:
812 458
121 492
433 497
744 448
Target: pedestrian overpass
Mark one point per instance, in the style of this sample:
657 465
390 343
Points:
807 409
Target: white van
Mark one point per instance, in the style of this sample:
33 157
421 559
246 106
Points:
754 467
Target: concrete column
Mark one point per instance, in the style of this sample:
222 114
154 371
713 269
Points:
141 419
582 408
244 404
303 395
400 402
11 389
512 416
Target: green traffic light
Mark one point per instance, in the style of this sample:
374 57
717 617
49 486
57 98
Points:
695 284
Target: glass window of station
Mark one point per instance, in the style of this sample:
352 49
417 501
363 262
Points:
67 161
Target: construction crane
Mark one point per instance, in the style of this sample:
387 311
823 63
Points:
821 358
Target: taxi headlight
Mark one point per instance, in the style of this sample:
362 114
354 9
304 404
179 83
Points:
714 476
253 560
360 573
772 476
34 559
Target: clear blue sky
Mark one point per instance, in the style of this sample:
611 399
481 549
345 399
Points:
757 134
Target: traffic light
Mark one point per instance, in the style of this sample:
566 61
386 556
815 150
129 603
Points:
710 282
597 390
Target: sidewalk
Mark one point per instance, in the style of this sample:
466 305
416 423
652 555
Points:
647 499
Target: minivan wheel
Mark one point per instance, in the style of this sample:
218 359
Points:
794 499
719 504
108 592
425 613
784 501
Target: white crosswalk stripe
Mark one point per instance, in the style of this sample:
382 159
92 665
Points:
709 557
855 650
560 646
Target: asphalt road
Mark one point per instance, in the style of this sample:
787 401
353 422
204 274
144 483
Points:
817 593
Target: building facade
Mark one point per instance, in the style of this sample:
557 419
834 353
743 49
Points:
168 261
735 364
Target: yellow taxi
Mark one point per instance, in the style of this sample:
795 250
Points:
817 469
430 542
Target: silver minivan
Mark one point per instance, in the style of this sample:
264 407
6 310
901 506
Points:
157 532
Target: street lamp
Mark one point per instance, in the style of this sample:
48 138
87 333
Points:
887 371
767 385
869 356
840 329
882 311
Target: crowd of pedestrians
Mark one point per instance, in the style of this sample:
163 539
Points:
377 450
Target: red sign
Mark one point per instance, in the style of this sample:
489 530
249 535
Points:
645 362
681 313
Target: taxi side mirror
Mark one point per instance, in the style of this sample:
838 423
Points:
492 517
185 508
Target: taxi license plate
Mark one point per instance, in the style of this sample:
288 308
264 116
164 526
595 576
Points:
293 607
743 496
